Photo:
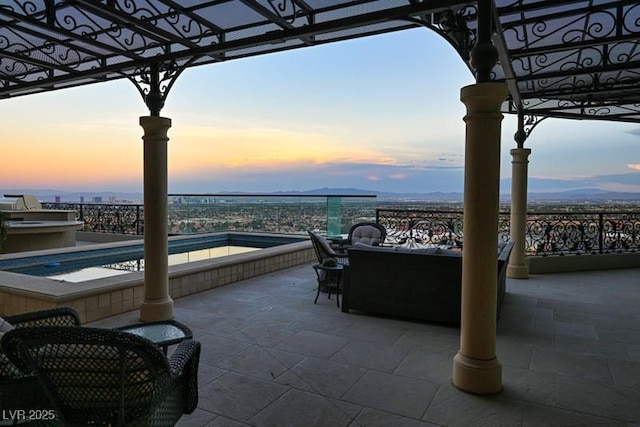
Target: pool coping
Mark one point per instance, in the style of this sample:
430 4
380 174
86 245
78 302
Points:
21 292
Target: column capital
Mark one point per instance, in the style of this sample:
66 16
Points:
155 121
516 151
520 155
481 97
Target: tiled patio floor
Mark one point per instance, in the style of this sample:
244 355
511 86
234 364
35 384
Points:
569 344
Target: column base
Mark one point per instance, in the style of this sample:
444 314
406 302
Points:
477 376
515 271
154 311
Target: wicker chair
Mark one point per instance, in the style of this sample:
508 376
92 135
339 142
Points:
107 377
324 251
327 280
20 389
368 233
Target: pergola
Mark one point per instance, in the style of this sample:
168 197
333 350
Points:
576 59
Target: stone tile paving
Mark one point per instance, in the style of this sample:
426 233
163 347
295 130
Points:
569 345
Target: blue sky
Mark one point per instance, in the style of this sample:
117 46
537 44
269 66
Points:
381 114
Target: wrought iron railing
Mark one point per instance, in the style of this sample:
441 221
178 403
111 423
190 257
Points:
106 218
546 233
601 232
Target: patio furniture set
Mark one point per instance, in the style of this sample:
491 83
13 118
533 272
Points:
422 284
53 371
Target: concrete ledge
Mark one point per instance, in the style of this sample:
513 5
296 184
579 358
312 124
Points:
566 263
29 230
93 237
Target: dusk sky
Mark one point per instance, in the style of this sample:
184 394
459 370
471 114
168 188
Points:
381 113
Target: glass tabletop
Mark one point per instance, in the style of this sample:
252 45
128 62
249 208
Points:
161 333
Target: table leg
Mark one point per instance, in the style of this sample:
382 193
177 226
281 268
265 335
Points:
338 280
318 293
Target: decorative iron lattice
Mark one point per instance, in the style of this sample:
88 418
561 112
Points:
454 25
154 83
547 233
290 11
588 233
106 218
576 62
411 228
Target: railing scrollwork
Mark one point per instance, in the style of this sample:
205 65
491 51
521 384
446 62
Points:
547 233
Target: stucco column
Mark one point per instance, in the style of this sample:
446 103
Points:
157 304
476 368
517 267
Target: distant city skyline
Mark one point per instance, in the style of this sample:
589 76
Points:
380 114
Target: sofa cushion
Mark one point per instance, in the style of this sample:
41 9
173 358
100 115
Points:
419 251
399 249
448 252
366 247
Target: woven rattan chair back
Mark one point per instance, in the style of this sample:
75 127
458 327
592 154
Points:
324 251
20 389
94 376
375 233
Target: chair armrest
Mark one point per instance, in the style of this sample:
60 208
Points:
184 362
61 316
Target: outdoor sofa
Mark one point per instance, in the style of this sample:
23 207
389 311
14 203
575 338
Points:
418 284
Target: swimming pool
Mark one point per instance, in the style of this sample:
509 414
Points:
81 265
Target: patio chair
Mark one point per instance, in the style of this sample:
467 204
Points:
19 389
107 377
328 275
324 252
367 233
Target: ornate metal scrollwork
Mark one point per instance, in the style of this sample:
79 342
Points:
530 122
180 23
154 83
559 234
288 10
29 8
580 52
30 54
105 218
453 24
526 124
416 228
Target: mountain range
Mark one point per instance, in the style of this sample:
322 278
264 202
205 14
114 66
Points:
579 195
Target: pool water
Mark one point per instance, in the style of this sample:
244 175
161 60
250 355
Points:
115 269
81 265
